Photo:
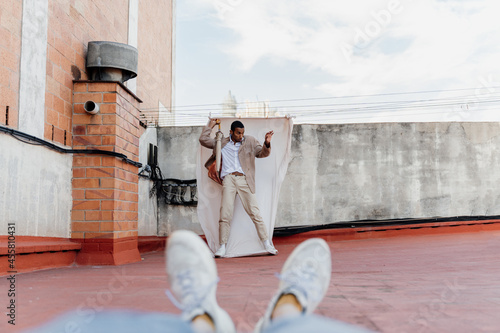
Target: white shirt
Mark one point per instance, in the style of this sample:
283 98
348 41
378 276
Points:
230 159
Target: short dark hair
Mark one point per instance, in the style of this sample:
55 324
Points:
236 124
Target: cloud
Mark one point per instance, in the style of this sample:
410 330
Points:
366 46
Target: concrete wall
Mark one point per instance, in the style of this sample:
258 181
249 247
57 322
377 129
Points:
391 170
177 148
35 189
365 171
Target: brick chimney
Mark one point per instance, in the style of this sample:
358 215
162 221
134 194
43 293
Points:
105 188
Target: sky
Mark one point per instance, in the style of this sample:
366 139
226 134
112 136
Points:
325 61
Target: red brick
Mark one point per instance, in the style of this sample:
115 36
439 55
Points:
101 129
9 59
65 124
5 39
83 97
87 140
78 194
98 216
78 108
79 130
100 194
86 160
109 98
100 172
77 235
66 64
77 215
68 108
87 119
118 226
59 74
107 108
101 235
80 87
112 161
108 182
109 119
116 205
103 86
126 186
85 226
66 93
86 205
109 140
58 135
80 63
85 183
49 100
126 234
54 56
58 105
78 172
52 117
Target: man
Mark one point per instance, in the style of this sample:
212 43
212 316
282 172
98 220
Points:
238 177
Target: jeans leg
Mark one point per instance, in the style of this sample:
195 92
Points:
312 323
226 208
123 321
249 201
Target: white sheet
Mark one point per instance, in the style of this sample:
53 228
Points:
269 175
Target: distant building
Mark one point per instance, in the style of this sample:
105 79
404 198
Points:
250 109
229 106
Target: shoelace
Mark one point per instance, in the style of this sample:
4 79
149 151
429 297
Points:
303 279
192 296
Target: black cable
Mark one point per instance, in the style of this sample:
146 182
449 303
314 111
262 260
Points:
418 222
21 136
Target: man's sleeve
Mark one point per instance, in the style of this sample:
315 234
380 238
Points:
205 139
262 151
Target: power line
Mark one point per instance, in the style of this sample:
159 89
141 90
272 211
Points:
335 97
328 112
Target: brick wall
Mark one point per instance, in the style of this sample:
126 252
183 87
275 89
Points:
72 24
10 53
154 82
105 188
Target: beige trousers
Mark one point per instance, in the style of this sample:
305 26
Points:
232 185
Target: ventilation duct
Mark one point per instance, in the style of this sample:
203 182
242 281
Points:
111 61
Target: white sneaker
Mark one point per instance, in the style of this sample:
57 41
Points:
306 275
269 247
192 276
221 252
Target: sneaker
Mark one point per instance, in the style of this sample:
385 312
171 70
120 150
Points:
192 276
306 275
269 247
221 252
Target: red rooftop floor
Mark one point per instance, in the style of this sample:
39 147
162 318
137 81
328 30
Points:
414 282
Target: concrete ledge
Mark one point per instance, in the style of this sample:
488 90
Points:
32 244
356 233
151 244
35 253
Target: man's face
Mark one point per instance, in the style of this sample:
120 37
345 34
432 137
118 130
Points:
237 134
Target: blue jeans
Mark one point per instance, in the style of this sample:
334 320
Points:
129 321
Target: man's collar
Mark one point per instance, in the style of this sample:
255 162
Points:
231 140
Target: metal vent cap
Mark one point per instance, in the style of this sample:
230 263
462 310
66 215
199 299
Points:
111 61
